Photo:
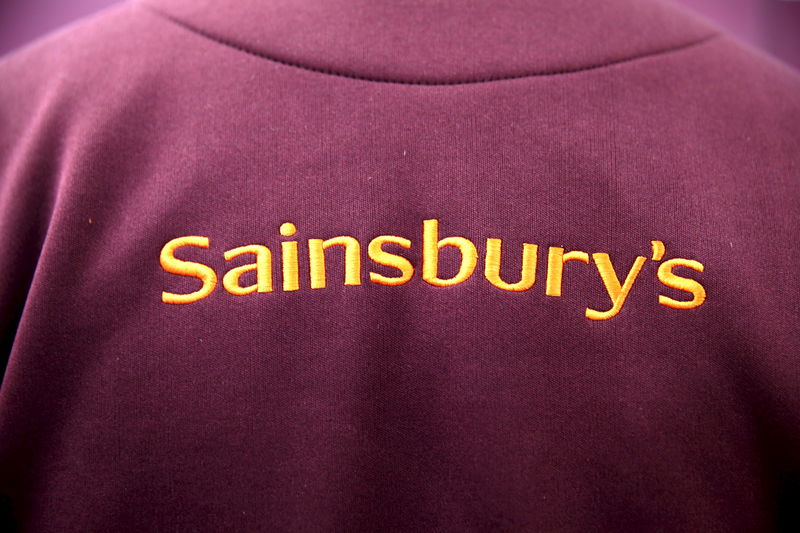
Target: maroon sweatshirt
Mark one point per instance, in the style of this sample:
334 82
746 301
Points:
346 265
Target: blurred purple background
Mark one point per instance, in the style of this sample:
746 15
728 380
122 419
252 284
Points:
772 25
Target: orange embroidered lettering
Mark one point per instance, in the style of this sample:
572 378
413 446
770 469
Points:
611 281
352 260
431 245
669 279
430 255
290 269
377 254
262 266
658 250
555 267
174 265
492 272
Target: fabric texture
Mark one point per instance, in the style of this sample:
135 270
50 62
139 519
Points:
393 170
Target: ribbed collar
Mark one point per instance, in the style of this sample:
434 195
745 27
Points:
441 41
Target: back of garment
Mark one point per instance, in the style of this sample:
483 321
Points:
443 265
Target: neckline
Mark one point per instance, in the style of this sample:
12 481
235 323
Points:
440 42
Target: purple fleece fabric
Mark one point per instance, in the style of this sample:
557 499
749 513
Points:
595 127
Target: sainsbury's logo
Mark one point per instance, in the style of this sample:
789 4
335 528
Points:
617 288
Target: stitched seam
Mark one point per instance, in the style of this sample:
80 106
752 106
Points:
288 63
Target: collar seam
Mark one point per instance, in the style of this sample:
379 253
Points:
398 81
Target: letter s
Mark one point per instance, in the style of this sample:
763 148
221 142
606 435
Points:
669 279
187 268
